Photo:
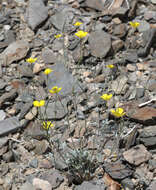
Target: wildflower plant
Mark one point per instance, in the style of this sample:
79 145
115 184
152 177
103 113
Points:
78 23
134 24
31 60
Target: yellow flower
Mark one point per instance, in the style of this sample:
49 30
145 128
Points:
31 60
81 34
78 23
119 112
55 90
134 24
47 125
47 71
110 66
58 35
38 103
106 96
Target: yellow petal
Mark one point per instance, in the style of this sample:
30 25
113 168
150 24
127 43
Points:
78 23
36 103
58 35
42 102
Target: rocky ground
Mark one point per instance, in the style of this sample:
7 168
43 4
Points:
124 159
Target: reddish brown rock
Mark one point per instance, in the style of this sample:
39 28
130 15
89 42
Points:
145 115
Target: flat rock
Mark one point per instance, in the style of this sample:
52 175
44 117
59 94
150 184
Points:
11 125
3 141
37 13
145 115
61 77
41 184
90 186
118 170
100 43
59 19
96 5
27 186
137 155
2 115
53 177
41 147
144 26
148 136
119 85
14 52
48 56
25 70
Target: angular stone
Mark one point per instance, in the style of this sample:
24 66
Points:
27 186
97 5
148 136
14 52
3 141
2 115
53 177
48 56
25 70
41 147
117 45
145 115
100 43
59 18
90 186
144 26
41 184
118 170
119 85
120 30
37 13
11 125
137 155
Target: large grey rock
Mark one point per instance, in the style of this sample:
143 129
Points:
9 125
37 13
100 43
61 77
